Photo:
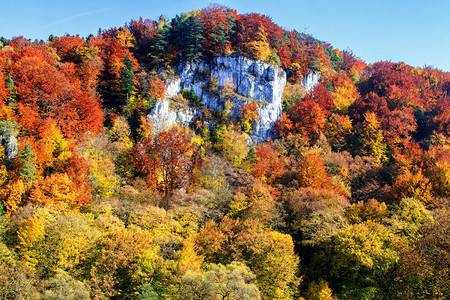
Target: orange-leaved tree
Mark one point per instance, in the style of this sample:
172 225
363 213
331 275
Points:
218 27
311 173
248 115
165 159
268 164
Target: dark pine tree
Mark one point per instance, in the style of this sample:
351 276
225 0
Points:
28 164
187 35
127 77
159 47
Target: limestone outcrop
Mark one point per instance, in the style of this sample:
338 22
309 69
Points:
252 81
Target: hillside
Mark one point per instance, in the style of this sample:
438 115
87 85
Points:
219 155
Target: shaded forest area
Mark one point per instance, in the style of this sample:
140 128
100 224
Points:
350 201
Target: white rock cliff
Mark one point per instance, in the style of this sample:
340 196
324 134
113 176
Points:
253 81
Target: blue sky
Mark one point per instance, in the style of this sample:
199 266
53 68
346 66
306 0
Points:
416 32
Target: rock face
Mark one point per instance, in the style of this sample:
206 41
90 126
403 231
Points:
163 116
253 81
311 81
9 142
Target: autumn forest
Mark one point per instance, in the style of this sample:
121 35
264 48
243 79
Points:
349 198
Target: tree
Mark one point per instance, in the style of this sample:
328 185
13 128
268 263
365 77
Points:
187 35
164 159
77 170
364 254
233 281
413 185
4 91
124 258
11 98
423 271
28 164
344 94
259 32
218 27
232 143
322 60
292 93
258 205
268 165
30 234
408 218
157 89
127 76
258 48
68 244
16 281
159 49
47 88
352 65
311 173
319 291
63 286
373 144
120 132
58 189
53 150
12 195
269 254
284 126
248 115
314 216
371 210
143 32
438 170
339 131
308 117
100 160
114 56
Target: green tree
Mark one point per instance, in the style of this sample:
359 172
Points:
233 281
159 48
219 39
28 164
12 89
364 254
148 292
407 219
188 37
127 76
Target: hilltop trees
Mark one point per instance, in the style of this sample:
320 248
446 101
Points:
187 35
219 24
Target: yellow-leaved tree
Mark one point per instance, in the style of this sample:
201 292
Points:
30 234
258 47
345 93
52 149
373 143
12 194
